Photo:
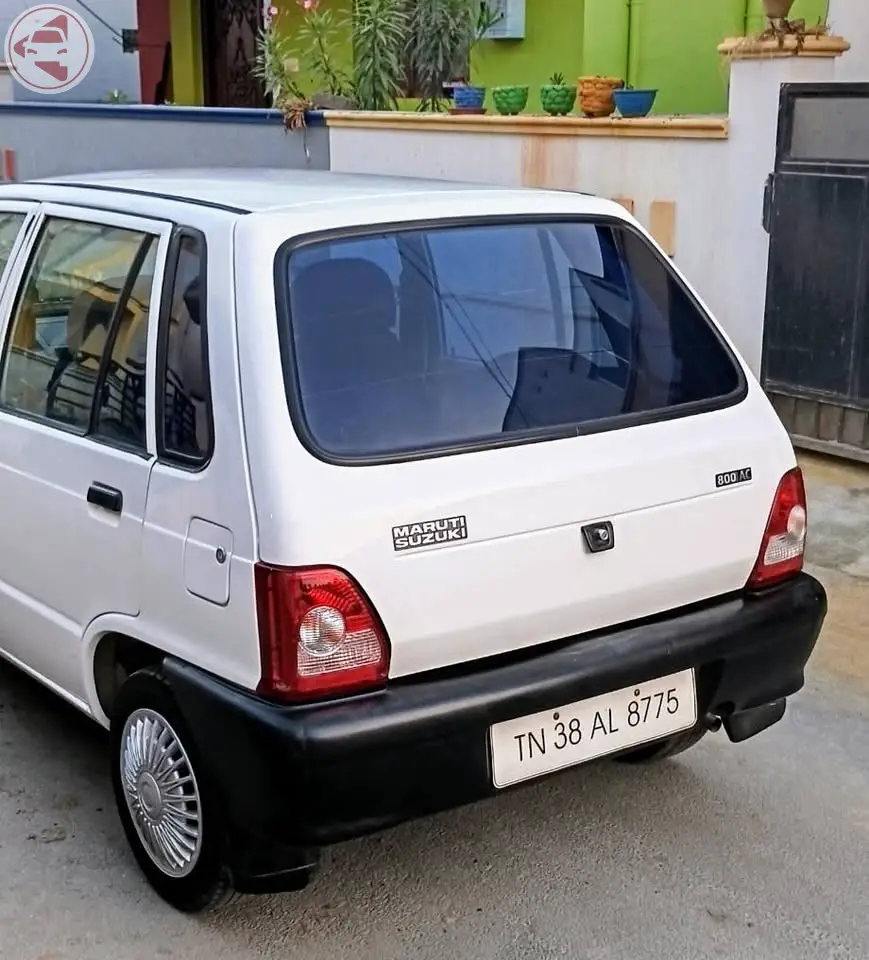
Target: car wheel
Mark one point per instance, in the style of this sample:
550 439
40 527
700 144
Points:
167 806
664 749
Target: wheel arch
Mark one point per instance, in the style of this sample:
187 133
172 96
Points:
113 649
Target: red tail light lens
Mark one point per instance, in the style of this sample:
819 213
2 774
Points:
784 541
319 635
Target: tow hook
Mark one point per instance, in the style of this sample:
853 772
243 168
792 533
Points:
712 722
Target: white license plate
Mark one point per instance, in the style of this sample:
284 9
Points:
531 746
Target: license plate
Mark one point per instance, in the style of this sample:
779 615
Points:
543 742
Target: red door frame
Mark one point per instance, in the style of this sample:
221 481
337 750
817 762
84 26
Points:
154 35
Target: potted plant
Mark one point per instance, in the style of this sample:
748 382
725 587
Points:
777 9
510 100
596 95
634 103
557 97
468 97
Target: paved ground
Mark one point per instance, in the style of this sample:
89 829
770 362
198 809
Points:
739 853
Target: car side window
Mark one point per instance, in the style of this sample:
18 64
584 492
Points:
184 391
78 280
10 226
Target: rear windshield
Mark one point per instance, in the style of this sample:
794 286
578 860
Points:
447 337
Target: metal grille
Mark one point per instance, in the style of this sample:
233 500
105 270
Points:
231 28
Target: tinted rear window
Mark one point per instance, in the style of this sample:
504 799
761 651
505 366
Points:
450 336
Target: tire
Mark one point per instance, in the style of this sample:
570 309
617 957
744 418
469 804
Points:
191 874
664 749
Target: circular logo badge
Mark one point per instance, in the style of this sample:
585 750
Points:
49 49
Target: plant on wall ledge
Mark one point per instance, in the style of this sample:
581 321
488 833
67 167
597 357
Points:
438 32
273 65
441 35
316 40
557 97
379 29
779 27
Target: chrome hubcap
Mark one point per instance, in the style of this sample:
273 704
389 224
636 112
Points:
161 793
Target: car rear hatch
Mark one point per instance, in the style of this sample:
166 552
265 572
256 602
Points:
516 432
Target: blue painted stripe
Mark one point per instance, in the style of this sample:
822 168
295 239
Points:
138 111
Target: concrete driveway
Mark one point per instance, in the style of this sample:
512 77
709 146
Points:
733 852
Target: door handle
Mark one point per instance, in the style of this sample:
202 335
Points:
109 498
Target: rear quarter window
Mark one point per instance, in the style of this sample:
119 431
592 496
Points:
443 338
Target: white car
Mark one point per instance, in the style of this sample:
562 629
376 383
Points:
351 499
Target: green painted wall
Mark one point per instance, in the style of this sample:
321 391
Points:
553 44
606 38
671 45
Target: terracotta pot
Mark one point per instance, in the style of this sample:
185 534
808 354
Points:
596 95
777 9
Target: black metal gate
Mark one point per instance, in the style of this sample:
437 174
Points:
816 335
229 32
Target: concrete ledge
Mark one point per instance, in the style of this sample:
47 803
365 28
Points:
139 111
752 48
663 127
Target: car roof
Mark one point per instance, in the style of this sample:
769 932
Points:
254 190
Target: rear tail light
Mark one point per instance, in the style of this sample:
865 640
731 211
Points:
784 540
319 635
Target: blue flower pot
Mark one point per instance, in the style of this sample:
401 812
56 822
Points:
469 97
634 103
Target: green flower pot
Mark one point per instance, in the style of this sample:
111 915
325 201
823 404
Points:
510 100
557 99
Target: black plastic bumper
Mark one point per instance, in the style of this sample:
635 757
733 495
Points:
317 774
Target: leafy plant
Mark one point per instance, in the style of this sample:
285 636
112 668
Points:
487 18
557 80
379 31
439 34
316 40
272 65
116 96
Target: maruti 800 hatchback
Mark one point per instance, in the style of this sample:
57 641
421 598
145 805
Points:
344 500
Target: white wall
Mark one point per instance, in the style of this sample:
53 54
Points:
112 69
850 19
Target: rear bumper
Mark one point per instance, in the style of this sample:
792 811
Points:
311 775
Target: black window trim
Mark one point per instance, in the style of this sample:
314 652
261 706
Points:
519 438
148 240
43 219
169 457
